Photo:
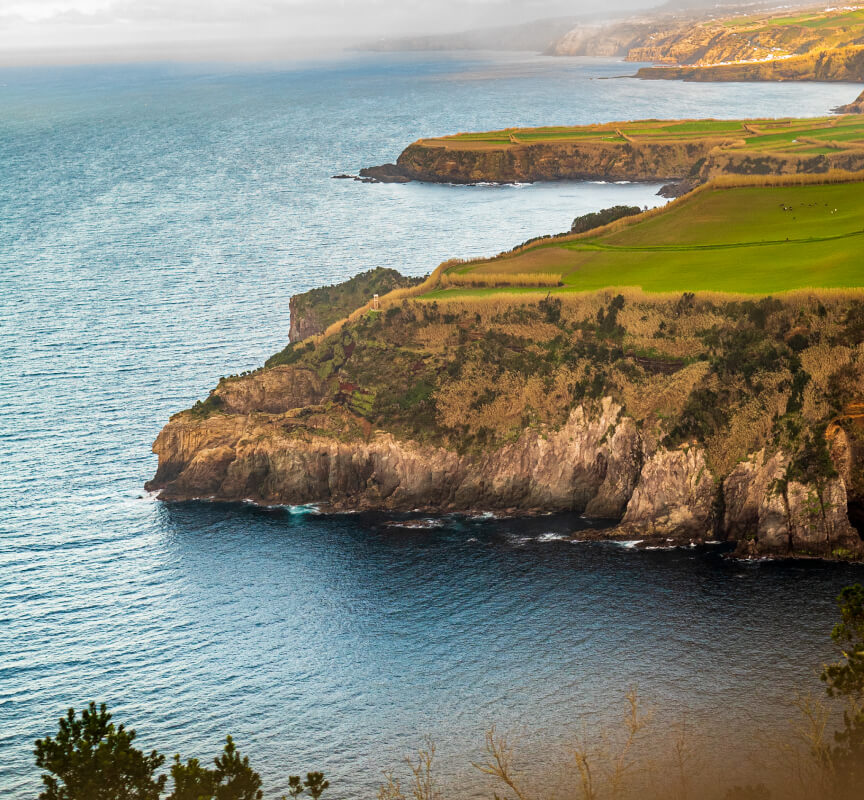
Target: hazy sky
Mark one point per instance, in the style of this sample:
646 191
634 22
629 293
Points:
63 30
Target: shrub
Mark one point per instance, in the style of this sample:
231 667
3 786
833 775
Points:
597 219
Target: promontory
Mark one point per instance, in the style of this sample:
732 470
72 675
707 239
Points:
689 374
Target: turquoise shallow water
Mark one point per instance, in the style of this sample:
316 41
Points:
154 222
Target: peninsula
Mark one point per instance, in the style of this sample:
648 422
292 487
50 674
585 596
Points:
646 150
691 374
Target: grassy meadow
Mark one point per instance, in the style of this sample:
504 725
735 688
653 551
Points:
745 239
777 136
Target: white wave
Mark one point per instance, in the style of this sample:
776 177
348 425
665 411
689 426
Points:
551 537
416 524
307 508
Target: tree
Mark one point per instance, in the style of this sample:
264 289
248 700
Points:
845 678
191 780
234 778
315 784
92 759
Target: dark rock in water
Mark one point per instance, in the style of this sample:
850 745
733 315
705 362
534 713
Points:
855 107
344 177
386 173
677 189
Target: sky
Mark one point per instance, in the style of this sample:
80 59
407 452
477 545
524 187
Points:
59 31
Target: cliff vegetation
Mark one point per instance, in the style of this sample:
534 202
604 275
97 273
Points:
313 311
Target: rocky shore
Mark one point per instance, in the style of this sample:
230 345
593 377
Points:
598 463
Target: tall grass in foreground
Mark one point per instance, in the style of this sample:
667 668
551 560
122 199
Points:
636 759
807 761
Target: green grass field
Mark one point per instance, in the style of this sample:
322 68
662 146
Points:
751 240
845 20
790 135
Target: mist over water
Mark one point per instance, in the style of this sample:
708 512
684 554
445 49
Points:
154 222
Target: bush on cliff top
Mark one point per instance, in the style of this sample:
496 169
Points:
597 219
331 303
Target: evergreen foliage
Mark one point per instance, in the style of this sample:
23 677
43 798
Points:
91 758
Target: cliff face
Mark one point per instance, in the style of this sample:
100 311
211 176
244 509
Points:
533 406
855 107
555 161
646 150
597 463
843 64
283 459
816 45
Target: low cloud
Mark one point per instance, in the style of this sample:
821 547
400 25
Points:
82 30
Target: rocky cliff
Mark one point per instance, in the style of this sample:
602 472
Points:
732 44
625 156
842 64
855 107
727 431
550 161
311 312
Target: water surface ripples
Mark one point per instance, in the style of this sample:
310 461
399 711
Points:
154 222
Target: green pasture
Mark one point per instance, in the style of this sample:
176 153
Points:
851 18
754 240
763 134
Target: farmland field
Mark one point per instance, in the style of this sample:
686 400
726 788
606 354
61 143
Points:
787 134
790 135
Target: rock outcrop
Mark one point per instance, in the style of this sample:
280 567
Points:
855 107
674 497
312 311
552 161
686 163
580 403
843 64
766 514
256 453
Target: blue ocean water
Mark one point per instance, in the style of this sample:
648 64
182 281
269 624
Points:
154 221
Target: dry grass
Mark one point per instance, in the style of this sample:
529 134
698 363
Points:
661 396
491 279
639 759
751 428
482 398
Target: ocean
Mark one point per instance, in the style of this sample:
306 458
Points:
154 222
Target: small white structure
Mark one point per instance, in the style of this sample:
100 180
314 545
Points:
375 302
